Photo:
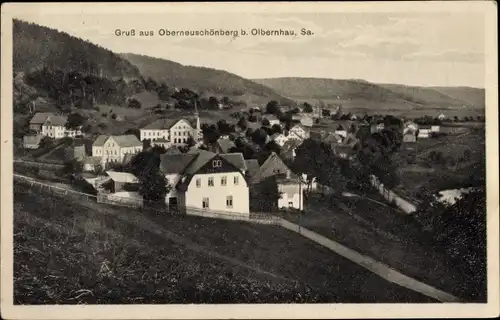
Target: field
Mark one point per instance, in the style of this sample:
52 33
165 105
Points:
454 171
67 252
390 237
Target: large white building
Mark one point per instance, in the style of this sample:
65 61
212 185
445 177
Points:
177 132
203 181
113 149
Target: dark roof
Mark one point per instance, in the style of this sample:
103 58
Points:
161 124
173 150
40 117
56 120
225 145
252 166
175 163
291 144
167 123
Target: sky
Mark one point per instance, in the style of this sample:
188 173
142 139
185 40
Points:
427 49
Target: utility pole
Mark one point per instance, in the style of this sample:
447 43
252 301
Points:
301 207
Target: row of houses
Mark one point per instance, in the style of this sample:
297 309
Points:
215 182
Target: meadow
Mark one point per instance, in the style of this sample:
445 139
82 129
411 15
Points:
69 252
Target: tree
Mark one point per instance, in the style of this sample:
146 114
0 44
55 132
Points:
265 122
151 85
308 108
276 128
213 103
211 133
75 120
272 107
134 103
325 112
259 137
243 123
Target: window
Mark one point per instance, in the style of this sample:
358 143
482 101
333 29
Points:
205 203
236 180
223 181
229 201
290 203
216 163
211 182
198 182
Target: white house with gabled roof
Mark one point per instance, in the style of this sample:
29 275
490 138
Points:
113 149
206 182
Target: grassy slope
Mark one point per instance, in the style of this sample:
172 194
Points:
205 81
472 96
66 252
387 236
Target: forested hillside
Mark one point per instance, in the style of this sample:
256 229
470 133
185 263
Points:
36 46
205 81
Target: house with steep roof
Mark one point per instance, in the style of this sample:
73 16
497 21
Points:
113 149
279 138
288 149
203 181
291 189
52 125
38 120
300 131
341 131
410 136
176 131
273 165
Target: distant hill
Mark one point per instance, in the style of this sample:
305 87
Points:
377 96
472 96
205 81
423 95
36 46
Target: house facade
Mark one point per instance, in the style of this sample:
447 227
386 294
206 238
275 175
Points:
409 136
207 182
279 138
435 128
424 133
113 149
53 126
291 190
300 131
177 132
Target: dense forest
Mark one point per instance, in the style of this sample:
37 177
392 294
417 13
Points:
35 46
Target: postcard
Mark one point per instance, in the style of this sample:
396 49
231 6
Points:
249 160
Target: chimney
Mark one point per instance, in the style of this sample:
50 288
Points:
288 174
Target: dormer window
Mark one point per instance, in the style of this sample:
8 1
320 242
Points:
216 163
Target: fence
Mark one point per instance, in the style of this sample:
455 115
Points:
392 197
368 263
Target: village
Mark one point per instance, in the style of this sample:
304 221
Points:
227 168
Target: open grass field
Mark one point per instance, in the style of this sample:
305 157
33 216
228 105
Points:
67 252
426 174
388 236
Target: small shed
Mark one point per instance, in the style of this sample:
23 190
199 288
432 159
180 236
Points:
32 141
